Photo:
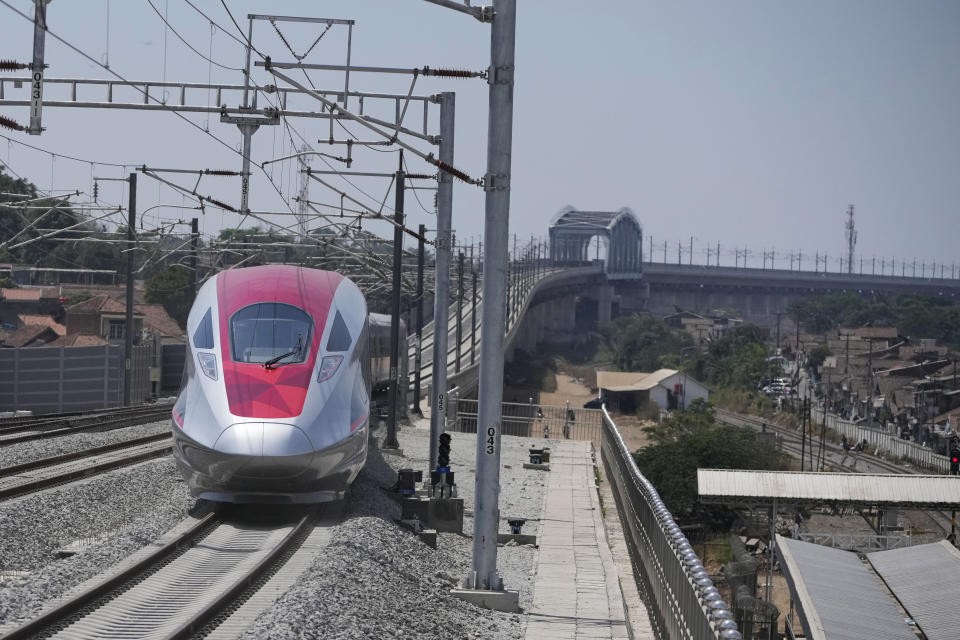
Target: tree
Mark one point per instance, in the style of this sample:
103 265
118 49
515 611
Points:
737 359
171 288
51 214
641 343
688 440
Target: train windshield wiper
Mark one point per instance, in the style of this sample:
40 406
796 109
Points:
273 363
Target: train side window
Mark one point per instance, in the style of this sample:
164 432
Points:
203 336
339 339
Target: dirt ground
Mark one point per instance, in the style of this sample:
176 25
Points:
577 393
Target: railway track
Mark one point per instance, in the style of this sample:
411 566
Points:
188 585
791 442
46 427
48 472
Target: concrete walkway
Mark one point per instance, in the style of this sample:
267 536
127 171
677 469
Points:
577 588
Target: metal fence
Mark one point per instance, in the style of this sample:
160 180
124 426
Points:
865 543
885 443
58 379
682 600
172 357
531 420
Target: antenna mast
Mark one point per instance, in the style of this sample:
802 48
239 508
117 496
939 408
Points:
851 238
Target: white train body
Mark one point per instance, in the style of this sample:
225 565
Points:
275 401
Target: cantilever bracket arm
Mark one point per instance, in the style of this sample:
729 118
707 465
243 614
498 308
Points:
337 110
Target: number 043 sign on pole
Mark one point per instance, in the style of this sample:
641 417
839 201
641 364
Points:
491 446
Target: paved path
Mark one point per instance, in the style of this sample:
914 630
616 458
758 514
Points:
577 589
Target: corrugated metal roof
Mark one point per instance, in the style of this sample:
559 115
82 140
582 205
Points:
730 485
632 381
837 595
926 580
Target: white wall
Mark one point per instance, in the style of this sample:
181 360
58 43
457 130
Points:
692 389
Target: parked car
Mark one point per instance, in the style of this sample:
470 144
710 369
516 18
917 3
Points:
596 403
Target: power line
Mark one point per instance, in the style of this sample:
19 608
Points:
66 157
147 95
183 40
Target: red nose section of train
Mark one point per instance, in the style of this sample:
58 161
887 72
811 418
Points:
254 391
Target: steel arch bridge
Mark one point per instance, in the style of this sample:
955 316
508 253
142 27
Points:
572 230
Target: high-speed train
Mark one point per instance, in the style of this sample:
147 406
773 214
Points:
275 400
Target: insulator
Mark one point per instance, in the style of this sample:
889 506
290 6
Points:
220 172
217 203
12 65
449 73
10 124
456 173
96 191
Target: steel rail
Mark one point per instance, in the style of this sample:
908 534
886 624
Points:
267 564
14 423
219 582
54 477
104 425
79 455
72 607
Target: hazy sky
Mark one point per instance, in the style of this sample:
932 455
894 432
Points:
745 123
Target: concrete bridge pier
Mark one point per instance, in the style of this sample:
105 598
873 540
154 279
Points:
604 305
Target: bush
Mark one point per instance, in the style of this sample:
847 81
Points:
688 440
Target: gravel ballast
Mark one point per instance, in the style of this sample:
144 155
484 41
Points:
32 450
374 579
114 514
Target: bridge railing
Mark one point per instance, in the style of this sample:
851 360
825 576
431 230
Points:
682 600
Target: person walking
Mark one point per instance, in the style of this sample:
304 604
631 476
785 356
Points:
845 445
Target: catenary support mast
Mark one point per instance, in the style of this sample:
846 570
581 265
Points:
441 300
496 233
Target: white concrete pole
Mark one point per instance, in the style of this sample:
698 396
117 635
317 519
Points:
441 298
496 234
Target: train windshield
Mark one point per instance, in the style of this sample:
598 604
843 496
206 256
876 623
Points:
263 332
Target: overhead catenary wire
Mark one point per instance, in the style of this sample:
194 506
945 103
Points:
290 130
146 95
188 45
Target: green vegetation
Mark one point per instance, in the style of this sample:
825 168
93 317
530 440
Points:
916 316
171 288
7 283
688 440
46 214
738 359
742 400
642 343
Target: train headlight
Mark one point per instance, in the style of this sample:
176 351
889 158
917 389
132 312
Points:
208 364
328 367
